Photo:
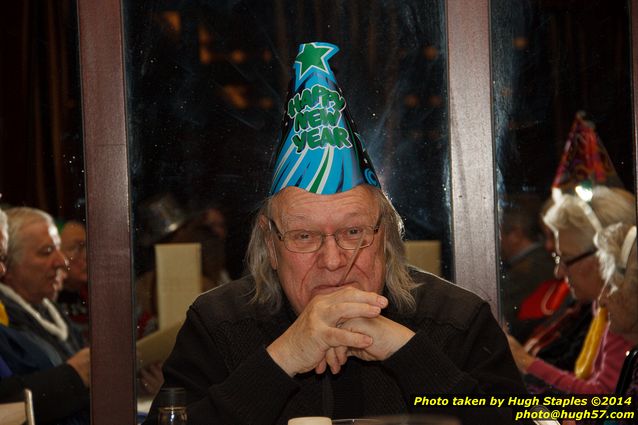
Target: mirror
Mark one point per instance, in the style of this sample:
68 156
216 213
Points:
206 83
549 61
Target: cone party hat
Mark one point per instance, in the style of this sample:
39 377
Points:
319 149
585 162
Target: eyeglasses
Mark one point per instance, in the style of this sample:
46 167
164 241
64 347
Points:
306 241
570 262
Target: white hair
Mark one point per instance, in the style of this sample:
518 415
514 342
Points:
398 282
610 205
613 267
18 218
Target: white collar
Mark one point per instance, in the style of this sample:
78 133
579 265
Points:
58 328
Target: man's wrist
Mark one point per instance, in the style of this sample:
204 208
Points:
274 350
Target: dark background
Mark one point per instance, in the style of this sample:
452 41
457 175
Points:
207 80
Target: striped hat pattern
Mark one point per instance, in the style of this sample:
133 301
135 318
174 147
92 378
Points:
320 150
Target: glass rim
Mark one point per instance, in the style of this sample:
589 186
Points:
282 236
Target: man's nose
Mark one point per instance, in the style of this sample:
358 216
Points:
331 255
59 260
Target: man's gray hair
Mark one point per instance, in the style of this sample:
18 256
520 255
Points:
18 218
610 242
610 205
398 282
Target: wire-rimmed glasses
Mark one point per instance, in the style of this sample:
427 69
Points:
305 241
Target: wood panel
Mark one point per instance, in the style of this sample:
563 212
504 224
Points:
472 149
103 105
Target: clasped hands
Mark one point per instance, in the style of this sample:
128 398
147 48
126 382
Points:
334 326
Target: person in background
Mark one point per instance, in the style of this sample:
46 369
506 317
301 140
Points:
575 223
559 338
73 299
619 264
526 264
214 218
59 381
332 321
166 223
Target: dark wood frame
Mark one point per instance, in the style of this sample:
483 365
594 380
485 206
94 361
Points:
104 109
107 187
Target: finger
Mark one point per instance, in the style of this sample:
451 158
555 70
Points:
321 367
336 337
351 294
337 313
342 354
333 362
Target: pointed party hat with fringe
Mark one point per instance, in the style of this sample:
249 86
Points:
584 164
319 150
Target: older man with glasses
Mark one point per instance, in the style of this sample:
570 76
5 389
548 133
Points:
331 320
575 222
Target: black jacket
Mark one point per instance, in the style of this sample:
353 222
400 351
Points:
220 358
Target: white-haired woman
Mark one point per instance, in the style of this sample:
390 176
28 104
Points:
575 222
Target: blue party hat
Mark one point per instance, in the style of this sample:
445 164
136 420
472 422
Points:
320 150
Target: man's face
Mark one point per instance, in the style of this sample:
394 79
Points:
73 238
304 275
583 275
34 275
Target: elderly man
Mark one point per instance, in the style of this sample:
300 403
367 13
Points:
57 378
34 263
331 320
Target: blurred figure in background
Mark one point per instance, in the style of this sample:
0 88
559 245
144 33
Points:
214 218
73 299
164 222
619 264
575 223
526 264
559 338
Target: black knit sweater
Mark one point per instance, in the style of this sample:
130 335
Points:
220 358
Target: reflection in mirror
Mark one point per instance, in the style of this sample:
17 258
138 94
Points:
43 267
551 60
206 85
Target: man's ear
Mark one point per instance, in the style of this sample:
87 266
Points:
265 225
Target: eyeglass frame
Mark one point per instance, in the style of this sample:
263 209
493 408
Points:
282 236
570 262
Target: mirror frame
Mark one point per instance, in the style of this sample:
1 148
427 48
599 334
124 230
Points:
107 185
107 212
